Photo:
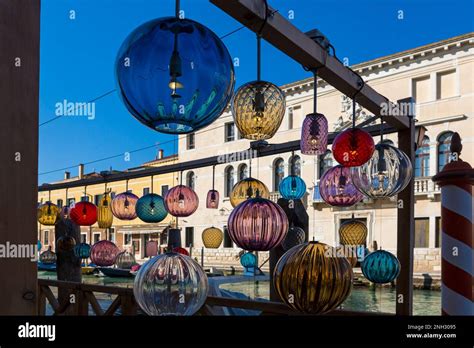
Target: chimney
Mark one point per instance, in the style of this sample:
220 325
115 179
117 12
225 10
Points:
160 154
81 171
67 175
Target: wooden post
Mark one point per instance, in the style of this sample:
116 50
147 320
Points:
19 62
68 265
406 222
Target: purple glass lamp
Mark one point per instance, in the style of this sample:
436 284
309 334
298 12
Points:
181 201
212 200
314 131
337 188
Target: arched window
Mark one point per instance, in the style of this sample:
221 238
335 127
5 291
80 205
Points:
295 165
243 171
422 159
325 162
228 180
444 144
191 180
278 173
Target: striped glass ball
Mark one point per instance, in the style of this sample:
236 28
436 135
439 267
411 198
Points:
124 206
105 217
353 232
257 224
181 201
295 236
151 208
248 260
170 284
388 172
381 267
82 251
311 279
48 214
125 260
258 108
103 253
292 187
248 188
212 237
83 213
337 189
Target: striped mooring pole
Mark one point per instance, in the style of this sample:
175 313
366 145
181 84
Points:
457 266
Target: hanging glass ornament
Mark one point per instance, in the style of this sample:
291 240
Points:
65 243
124 206
180 250
212 200
257 224
151 208
353 232
248 260
337 189
105 217
353 147
181 201
248 188
83 214
258 108
48 214
387 173
295 236
48 257
381 267
103 253
174 75
170 284
125 260
311 279
292 187
212 237
82 251
314 131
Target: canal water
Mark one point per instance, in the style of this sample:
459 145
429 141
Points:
380 299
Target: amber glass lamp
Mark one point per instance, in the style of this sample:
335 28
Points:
353 232
48 214
105 217
311 279
248 188
212 237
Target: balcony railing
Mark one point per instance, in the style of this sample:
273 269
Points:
425 186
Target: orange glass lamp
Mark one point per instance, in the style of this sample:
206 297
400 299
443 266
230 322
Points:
212 237
353 232
105 217
248 188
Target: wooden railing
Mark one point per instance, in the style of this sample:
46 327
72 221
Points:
84 296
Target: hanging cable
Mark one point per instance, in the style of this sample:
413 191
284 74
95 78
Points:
177 8
259 39
152 184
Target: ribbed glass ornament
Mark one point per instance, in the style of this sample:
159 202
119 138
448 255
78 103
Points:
82 251
336 187
248 188
170 284
258 108
48 257
353 232
125 260
387 173
48 214
295 236
124 206
310 279
65 243
83 213
103 253
314 134
292 187
212 200
174 75
212 237
381 267
105 218
181 201
353 147
151 208
248 260
257 224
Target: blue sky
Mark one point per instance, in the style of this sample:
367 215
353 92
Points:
77 61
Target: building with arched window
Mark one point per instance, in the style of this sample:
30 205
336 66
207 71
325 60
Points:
243 171
278 172
228 180
294 165
444 142
191 180
422 159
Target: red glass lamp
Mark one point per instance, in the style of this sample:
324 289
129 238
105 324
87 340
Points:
83 213
353 147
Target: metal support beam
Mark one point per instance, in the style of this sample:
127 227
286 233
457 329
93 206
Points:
406 224
290 40
272 149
